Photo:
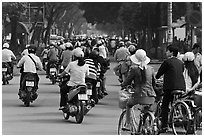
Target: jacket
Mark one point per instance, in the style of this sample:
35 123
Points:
144 90
172 69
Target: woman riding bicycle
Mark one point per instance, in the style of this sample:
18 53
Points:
144 81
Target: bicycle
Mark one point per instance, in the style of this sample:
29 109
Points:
179 115
194 101
144 123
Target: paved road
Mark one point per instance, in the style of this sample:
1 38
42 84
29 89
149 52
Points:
44 118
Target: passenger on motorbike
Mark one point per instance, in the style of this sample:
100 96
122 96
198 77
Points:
78 71
53 57
29 64
93 65
8 56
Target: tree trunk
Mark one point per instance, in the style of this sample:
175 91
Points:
14 43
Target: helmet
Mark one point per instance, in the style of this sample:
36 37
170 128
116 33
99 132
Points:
68 45
27 45
5 45
189 56
78 52
32 49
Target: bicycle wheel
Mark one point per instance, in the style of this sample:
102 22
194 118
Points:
121 124
198 121
180 118
148 126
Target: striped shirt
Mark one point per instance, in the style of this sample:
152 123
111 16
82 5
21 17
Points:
92 68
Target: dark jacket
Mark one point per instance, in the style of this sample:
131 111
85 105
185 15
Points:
141 90
172 69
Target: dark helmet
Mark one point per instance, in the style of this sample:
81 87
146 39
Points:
32 49
94 54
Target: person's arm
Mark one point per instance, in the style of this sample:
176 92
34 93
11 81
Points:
162 70
21 62
130 77
39 65
195 85
66 70
13 56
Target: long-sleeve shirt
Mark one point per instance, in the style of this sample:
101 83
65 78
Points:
172 69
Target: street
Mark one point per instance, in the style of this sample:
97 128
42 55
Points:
44 118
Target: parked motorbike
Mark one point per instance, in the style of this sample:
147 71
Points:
6 73
28 92
78 96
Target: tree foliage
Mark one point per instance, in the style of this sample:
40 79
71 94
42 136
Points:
101 12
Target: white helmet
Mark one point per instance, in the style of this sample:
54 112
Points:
5 45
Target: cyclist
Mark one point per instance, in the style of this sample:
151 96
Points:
143 76
172 69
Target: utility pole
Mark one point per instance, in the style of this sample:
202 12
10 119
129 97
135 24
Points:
170 32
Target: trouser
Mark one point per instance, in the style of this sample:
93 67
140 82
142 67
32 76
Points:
93 82
22 77
43 63
11 67
167 99
64 89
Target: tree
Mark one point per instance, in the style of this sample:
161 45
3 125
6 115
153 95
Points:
54 10
100 12
13 11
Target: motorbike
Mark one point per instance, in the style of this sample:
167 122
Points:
6 73
29 90
53 73
78 96
90 102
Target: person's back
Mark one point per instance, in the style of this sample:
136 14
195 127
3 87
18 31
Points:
66 57
173 74
53 54
121 54
7 55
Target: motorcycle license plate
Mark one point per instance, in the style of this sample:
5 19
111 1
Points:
53 70
30 83
89 92
98 84
82 97
4 69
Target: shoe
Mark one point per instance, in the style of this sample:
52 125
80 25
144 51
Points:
163 130
62 107
105 93
126 127
47 76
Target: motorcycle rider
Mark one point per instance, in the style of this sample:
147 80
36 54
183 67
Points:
66 56
7 56
53 57
27 65
44 56
78 71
